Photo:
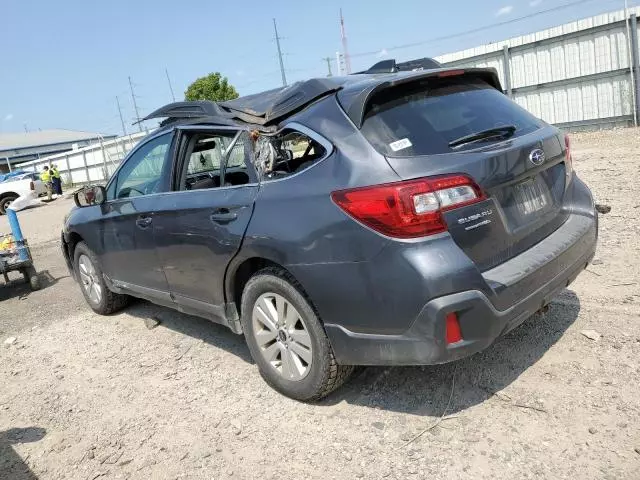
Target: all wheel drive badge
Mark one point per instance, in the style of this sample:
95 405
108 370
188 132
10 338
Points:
537 156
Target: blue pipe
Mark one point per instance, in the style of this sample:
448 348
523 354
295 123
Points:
16 231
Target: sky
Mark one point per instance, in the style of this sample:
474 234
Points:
64 62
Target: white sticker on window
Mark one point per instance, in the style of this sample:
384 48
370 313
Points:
400 144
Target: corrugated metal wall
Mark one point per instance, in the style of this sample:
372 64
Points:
92 164
575 75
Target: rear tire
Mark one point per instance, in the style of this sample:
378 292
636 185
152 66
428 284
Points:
300 372
5 202
91 279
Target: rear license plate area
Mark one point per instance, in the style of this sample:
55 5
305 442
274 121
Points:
531 197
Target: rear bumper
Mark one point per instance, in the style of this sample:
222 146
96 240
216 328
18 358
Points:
518 289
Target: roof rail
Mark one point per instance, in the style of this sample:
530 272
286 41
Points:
391 66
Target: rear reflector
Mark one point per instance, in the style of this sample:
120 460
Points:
453 334
409 209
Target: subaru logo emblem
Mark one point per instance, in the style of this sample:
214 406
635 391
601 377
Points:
537 156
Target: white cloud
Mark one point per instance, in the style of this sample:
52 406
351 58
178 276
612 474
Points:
240 73
9 117
383 53
507 9
535 3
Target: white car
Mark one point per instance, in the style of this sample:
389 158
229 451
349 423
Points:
20 185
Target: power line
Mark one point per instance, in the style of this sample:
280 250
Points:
135 105
474 30
170 86
284 77
124 130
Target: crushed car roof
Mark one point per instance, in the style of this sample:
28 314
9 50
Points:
259 110
265 110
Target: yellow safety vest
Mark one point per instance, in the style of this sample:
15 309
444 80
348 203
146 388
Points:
55 172
45 176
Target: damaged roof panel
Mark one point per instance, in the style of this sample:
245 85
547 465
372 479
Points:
265 110
269 106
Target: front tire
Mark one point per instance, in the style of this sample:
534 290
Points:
286 338
5 202
91 279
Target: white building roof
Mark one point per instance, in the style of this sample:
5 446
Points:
16 141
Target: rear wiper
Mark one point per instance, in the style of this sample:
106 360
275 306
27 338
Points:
504 131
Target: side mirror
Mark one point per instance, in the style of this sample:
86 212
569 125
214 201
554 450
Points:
89 196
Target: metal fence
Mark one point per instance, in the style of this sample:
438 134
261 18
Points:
580 75
95 163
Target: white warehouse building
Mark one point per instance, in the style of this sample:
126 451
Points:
577 75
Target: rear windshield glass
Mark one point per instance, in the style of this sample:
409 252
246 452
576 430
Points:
423 118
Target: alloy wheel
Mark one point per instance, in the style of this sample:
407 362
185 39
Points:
282 336
89 279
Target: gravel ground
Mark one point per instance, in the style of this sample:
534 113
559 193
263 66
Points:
87 397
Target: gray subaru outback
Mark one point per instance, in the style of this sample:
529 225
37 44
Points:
398 218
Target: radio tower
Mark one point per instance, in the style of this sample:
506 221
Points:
345 50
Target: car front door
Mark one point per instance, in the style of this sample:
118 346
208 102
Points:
199 226
129 256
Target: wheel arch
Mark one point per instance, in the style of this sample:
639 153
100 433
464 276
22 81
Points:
238 276
8 194
73 239
69 242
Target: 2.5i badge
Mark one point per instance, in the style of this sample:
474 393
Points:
481 219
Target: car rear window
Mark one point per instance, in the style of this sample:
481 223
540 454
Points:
422 119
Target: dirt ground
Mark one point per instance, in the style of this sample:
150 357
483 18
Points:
88 397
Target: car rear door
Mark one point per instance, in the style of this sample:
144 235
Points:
524 168
199 227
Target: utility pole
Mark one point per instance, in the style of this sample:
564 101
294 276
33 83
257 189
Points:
328 60
124 130
345 49
135 105
170 87
284 78
340 64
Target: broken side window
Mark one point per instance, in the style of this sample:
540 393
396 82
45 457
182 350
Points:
286 153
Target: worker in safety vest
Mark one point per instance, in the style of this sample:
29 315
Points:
45 176
55 180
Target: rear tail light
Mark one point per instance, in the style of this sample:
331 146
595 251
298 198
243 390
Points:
411 208
32 185
568 161
453 333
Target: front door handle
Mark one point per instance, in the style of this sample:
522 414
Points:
223 215
144 222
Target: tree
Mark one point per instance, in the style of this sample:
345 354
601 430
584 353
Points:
213 87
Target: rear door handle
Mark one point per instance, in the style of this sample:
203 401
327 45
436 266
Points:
223 215
144 221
